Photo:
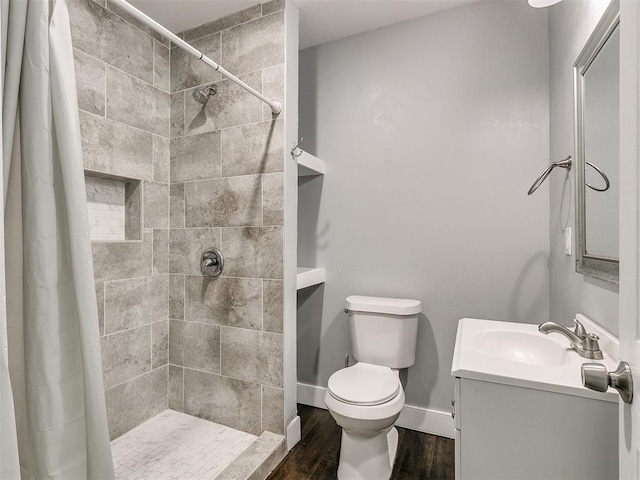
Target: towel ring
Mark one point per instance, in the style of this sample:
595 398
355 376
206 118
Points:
606 179
566 163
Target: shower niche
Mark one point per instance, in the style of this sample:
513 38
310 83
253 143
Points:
115 207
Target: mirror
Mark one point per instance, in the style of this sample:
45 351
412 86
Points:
597 102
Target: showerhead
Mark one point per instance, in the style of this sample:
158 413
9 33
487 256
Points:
201 95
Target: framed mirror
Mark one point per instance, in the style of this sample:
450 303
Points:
597 122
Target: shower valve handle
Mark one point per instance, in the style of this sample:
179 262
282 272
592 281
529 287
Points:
211 262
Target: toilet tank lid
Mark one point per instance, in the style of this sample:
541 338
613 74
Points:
392 306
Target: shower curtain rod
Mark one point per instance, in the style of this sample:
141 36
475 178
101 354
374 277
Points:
276 107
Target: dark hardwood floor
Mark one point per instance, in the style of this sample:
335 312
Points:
420 455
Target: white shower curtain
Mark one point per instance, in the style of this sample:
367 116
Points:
56 423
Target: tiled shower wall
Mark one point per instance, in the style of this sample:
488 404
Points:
122 77
225 333
218 170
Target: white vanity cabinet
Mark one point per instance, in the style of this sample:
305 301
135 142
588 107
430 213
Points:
509 432
517 420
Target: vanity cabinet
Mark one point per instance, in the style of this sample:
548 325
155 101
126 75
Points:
512 432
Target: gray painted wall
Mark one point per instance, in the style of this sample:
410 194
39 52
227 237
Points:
432 130
570 25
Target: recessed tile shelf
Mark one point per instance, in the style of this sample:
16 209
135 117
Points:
308 277
114 204
308 165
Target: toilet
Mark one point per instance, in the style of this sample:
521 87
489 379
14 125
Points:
366 399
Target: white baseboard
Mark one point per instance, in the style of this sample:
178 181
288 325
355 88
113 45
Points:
412 417
294 432
311 395
427 421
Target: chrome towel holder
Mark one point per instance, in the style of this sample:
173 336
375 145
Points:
566 163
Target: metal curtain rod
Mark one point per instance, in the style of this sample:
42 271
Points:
276 107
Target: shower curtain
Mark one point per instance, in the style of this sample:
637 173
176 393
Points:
56 426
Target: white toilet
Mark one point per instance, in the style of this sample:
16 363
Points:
366 398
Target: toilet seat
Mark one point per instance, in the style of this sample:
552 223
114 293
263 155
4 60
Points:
364 384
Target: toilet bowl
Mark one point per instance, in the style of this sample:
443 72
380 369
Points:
366 414
366 399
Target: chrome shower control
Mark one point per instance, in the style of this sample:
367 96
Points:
211 262
596 377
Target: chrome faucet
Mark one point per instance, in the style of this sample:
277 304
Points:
585 344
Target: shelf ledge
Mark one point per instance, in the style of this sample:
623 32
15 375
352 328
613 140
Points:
308 165
308 277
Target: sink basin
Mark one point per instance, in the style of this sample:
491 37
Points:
532 348
517 354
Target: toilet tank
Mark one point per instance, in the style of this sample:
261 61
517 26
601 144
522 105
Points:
383 330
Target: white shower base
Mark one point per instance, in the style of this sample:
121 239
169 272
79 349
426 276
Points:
173 445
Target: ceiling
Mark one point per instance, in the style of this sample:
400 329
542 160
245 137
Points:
321 21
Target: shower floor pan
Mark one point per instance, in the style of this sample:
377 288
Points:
173 445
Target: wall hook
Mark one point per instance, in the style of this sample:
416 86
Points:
295 151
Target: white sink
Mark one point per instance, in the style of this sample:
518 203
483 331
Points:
518 354
532 348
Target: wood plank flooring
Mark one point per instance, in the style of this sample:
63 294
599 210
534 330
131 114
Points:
420 455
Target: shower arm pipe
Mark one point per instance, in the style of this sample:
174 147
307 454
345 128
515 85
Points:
276 107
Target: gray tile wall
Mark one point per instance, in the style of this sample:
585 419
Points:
210 176
225 333
123 80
